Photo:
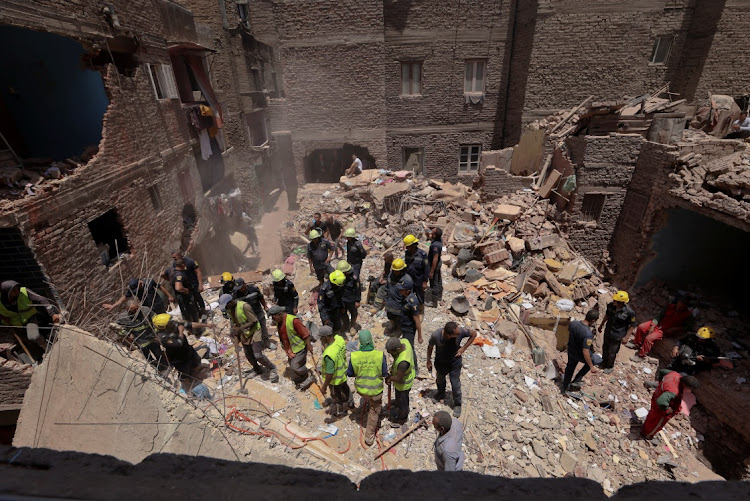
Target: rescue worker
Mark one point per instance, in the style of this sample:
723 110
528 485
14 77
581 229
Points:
246 330
417 266
673 320
20 306
449 454
333 371
355 251
145 290
620 324
434 256
184 292
401 377
295 338
351 297
317 224
394 305
448 352
136 326
195 277
580 342
696 353
319 252
227 283
332 232
179 353
411 320
387 263
666 400
368 368
284 292
330 301
252 295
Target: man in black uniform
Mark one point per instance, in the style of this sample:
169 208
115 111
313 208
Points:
329 301
411 320
179 352
394 304
436 265
579 349
698 352
417 266
351 296
355 251
252 295
184 293
620 324
195 277
319 252
144 289
284 292
448 359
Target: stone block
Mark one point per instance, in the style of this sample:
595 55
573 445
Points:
543 242
507 211
516 244
496 257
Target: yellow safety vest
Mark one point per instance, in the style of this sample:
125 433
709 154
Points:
405 356
239 312
368 370
23 315
336 351
298 344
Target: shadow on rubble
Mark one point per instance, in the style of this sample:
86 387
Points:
43 472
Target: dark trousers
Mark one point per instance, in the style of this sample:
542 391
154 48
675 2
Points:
395 323
349 315
200 304
357 267
254 354
154 355
419 291
402 401
436 284
334 317
297 365
187 307
264 330
340 396
570 369
455 375
740 134
409 334
609 351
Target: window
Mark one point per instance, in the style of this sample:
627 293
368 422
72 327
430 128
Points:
591 208
256 127
469 158
413 160
109 236
153 191
162 81
411 78
634 209
242 11
660 52
474 77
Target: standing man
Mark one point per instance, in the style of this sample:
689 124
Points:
334 371
666 400
368 368
417 266
195 277
579 349
333 233
673 320
246 330
254 297
449 454
355 251
394 305
448 352
145 290
411 321
351 296
184 293
319 252
295 338
355 168
330 301
436 265
401 377
284 292
740 128
620 324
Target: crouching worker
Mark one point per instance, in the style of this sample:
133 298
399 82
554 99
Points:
666 401
246 329
179 353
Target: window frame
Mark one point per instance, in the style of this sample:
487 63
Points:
634 209
474 63
655 50
248 117
165 84
411 64
588 215
468 163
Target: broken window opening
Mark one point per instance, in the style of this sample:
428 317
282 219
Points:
413 160
256 128
328 165
189 223
411 78
592 206
634 209
162 81
662 47
17 262
156 201
474 76
242 12
109 236
469 158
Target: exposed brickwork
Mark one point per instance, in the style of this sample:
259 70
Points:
15 379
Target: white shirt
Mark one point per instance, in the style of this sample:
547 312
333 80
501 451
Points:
745 125
358 162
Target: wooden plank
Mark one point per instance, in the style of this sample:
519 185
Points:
571 113
214 281
550 183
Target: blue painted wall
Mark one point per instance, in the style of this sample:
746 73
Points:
56 105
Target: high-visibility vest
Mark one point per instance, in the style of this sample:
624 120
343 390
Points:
297 343
336 351
239 312
368 370
23 315
407 355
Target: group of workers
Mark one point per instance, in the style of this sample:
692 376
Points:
697 352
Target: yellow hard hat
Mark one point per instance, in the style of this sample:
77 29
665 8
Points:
277 275
350 233
706 332
343 266
337 278
226 277
398 264
410 240
161 320
314 234
621 296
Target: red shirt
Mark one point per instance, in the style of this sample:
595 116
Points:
673 318
284 337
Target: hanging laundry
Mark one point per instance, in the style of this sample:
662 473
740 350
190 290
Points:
205 142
